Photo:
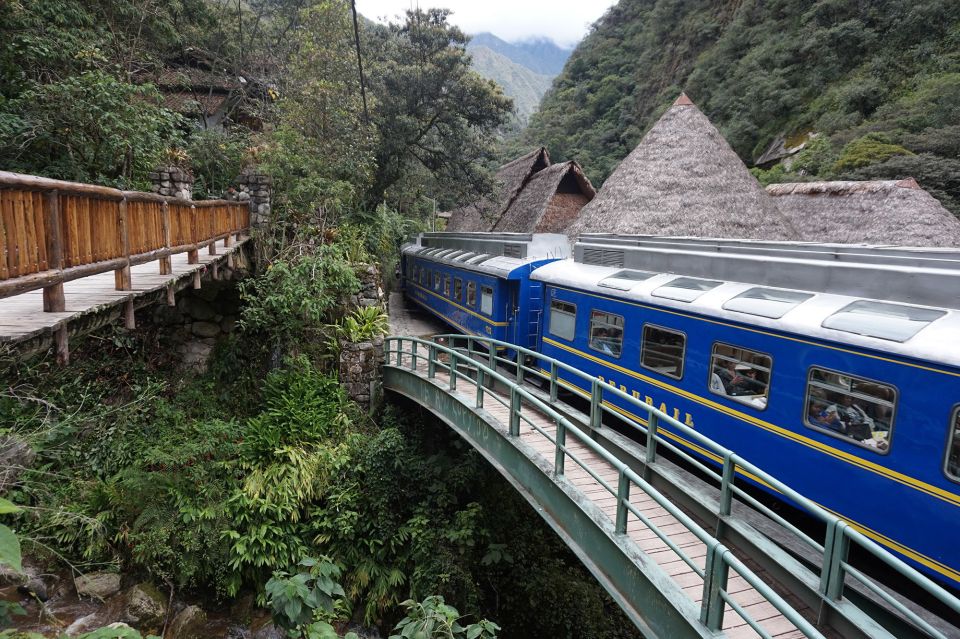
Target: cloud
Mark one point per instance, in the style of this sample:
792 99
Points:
564 21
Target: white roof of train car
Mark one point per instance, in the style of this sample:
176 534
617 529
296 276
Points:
932 333
483 252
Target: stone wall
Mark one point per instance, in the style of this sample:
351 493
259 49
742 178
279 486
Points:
172 181
361 366
199 319
254 188
361 363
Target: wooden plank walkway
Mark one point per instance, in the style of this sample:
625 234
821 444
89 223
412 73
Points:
748 598
22 316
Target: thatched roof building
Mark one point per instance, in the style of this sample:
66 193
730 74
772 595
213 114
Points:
510 180
683 179
875 212
550 201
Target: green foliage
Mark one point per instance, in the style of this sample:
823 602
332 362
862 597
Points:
292 300
434 619
113 131
216 159
435 117
363 324
296 598
872 148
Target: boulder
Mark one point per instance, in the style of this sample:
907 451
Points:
35 587
200 309
205 329
141 606
188 624
268 631
16 455
98 584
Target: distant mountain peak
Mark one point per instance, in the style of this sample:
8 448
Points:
540 54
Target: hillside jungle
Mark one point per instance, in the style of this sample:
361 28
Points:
255 493
871 87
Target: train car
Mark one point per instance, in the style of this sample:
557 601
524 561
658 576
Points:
479 283
836 368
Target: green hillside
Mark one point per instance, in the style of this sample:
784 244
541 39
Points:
520 83
878 79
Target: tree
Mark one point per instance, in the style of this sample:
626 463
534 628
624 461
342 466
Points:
435 117
321 152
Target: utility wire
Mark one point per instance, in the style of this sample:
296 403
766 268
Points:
356 35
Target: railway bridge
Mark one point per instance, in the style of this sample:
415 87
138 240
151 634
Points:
686 549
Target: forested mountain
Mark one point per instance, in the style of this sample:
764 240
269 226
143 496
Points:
878 81
540 55
526 87
524 70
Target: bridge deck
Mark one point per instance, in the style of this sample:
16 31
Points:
580 456
22 316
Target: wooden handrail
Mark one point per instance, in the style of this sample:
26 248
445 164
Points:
52 231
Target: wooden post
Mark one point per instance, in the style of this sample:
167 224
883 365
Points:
171 295
129 319
166 265
215 267
196 279
213 247
122 275
53 299
228 240
193 256
230 261
62 345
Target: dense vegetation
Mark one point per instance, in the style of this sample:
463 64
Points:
209 484
879 81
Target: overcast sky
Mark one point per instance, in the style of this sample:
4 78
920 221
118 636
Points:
564 21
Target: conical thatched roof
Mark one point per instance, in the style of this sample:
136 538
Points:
683 179
875 212
509 181
549 202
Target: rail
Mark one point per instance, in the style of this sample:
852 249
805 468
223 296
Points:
53 232
840 535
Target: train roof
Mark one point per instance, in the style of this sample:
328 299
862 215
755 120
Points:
894 299
502 255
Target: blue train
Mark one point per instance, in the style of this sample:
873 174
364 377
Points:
835 367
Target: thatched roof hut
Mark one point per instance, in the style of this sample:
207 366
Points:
874 212
510 180
683 179
549 202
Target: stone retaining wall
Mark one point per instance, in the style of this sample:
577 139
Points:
361 363
172 181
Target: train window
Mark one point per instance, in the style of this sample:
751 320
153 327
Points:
663 350
685 289
458 289
424 273
446 286
894 322
766 302
486 300
471 294
953 447
858 410
740 374
563 319
606 333
436 281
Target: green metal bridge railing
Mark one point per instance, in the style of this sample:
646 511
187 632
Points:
479 356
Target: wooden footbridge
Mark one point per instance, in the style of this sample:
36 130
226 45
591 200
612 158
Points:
71 251
685 554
